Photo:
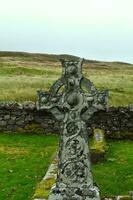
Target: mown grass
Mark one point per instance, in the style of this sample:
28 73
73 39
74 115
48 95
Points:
115 176
25 159
23 162
21 77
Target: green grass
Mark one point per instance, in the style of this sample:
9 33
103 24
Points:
115 176
25 159
23 73
119 85
23 162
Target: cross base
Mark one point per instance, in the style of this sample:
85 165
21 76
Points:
70 193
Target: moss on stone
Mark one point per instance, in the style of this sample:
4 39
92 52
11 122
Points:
43 188
98 147
20 130
125 197
34 128
98 142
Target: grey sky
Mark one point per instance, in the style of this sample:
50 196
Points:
94 29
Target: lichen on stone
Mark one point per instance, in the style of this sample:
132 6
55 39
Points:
99 146
43 188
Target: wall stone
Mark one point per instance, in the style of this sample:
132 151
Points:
14 117
117 122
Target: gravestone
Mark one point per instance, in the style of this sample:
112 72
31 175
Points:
73 99
98 147
98 134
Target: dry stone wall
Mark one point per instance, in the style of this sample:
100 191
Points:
14 117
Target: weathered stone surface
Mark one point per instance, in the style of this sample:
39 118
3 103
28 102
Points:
29 105
3 123
11 122
6 117
130 107
29 118
11 127
99 146
13 118
20 122
120 128
73 108
43 188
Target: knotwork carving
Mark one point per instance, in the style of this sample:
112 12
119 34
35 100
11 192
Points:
72 108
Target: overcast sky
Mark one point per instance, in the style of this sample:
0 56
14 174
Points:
93 29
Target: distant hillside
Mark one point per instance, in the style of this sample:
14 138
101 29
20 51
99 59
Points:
36 56
22 74
52 58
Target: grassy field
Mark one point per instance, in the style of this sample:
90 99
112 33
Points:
21 75
25 159
23 162
115 176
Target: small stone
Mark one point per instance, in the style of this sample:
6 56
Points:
130 107
21 122
29 105
3 123
129 124
29 118
10 128
7 117
13 118
11 122
2 105
18 113
123 197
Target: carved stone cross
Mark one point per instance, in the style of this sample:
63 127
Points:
73 99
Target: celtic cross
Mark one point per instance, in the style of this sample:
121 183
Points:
73 99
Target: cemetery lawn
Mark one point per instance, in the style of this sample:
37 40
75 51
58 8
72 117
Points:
115 176
23 162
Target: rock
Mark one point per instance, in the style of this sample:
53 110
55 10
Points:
18 113
99 147
3 123
129 124
130 107
29 118
43 188
11 122
2 105
6 117
13 118
20 122
116 120
29 105
126 197
10 128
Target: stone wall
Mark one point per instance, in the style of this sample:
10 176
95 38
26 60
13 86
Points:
15 117
117 122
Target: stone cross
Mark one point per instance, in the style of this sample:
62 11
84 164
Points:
73 99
